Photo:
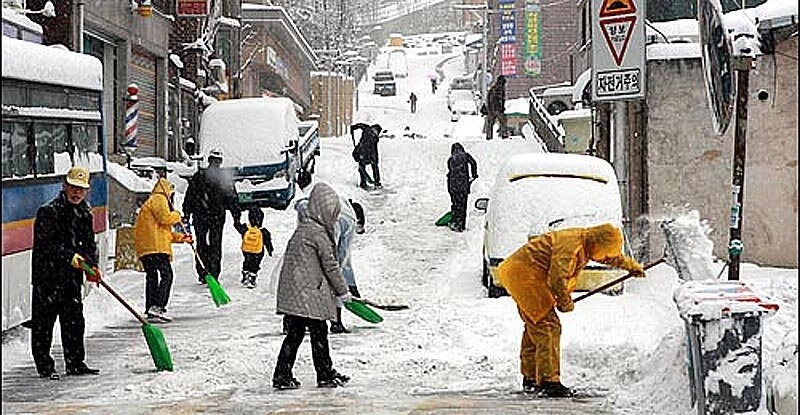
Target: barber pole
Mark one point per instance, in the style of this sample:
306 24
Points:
131 117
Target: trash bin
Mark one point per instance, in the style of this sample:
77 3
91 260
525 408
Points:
723 322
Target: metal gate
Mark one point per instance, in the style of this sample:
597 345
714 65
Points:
143 74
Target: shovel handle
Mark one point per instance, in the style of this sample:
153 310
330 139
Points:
122 300
616 281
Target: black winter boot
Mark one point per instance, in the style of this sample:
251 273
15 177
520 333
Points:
556 390
530 386
336 326
333 380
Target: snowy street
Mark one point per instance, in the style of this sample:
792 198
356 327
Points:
454 351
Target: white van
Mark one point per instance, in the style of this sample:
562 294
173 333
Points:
260 140
537 193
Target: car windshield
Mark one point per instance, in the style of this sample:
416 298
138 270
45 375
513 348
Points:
535 204
384 76
461 83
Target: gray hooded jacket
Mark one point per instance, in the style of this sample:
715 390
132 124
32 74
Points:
310 277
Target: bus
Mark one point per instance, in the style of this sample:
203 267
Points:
51 121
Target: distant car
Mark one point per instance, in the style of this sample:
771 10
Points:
384 83
463 107
536 193
454 95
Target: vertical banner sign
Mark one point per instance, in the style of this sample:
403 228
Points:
532 59
192 8
618 64
508 38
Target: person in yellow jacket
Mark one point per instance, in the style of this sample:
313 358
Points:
154 236
255 240
540 276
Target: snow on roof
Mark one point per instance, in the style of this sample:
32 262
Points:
686 30
668 51
20 19
51 65
558 90
557 163
776 9
249 130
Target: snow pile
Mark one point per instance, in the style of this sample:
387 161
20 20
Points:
128 179
689 249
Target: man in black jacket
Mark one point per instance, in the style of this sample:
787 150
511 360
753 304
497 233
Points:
209 194
496 108
461 171
366 153
63 240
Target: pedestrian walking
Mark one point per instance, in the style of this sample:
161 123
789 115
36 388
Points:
209 194
154 235
433 85
256 239
63 241
496 108
310 281
540 277
462 170
413 100
366 153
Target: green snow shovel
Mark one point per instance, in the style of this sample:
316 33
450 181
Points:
445 219
363 311
152 334
218 294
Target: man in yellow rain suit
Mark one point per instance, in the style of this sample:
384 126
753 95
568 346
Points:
540 276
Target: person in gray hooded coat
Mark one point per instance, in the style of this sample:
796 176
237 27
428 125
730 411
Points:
309 283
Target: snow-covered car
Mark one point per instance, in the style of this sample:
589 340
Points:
384 83
536 193
463 107
454 95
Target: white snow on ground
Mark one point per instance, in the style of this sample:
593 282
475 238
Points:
629 347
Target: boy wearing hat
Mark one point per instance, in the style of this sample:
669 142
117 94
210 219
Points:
63 243
255 239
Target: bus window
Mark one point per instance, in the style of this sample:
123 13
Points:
87 148
83 100
16 160
51 147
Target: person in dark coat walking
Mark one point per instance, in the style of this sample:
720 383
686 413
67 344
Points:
209 194
63 240
413 100
461 171
310 282
256 239
496 108
366 153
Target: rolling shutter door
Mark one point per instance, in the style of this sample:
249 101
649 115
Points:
143 74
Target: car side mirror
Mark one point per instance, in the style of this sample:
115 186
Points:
482 204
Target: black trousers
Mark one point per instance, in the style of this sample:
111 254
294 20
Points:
159 278
362 172
208 237
458 205
320 352
47 305
252 262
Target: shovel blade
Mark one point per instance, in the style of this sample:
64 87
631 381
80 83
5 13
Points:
363 311
158 347
218 294
445 219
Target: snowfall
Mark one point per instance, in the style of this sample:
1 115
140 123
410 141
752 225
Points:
450 348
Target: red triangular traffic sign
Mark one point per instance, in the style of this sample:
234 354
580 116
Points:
617 33
617 7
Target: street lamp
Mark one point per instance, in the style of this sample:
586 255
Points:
484 41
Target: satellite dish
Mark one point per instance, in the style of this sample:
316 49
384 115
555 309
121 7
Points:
717 69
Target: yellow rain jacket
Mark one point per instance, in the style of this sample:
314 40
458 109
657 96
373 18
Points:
543 272
153 230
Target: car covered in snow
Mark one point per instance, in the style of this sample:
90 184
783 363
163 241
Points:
261 145
384 83
536 193
463 106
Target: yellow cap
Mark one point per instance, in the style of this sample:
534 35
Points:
78 177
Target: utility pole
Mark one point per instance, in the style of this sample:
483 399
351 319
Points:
741 65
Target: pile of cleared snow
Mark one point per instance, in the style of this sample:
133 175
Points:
128 179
